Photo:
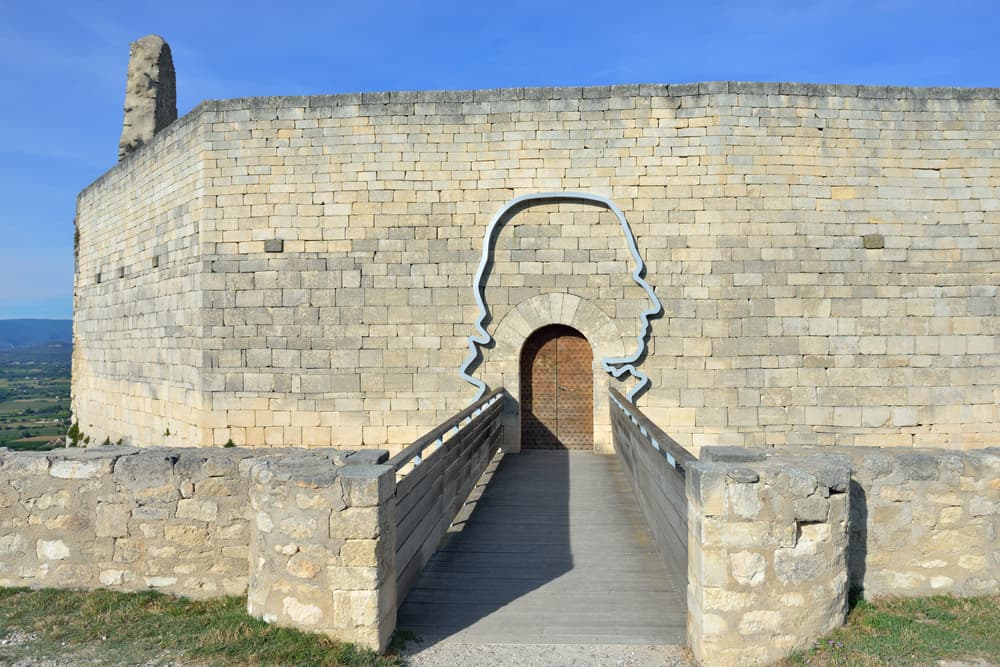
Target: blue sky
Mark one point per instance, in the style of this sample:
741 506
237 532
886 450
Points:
62 73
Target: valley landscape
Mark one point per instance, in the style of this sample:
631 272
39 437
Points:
35 363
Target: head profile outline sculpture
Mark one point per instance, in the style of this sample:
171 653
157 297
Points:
615 366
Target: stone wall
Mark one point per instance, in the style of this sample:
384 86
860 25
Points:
825 255
926 522
116 517
322 555
778 538
138 316
767 570
307 536
923 522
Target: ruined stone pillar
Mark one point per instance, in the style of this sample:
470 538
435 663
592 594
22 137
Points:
150 93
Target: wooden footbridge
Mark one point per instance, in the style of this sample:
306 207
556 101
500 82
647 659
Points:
540 547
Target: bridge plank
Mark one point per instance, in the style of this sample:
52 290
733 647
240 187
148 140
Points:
556 551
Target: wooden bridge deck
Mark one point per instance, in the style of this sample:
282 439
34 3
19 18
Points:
555 552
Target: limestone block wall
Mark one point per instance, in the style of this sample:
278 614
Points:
767 569
138 322
826 257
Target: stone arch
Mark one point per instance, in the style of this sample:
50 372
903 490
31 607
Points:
503 366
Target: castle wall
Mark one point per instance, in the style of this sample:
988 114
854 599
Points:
138 321
826 257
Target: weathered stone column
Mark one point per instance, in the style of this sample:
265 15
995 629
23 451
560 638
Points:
150 93
767 570
322 548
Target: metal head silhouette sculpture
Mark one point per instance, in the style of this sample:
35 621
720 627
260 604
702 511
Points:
615 366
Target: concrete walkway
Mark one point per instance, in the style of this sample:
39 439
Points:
555 552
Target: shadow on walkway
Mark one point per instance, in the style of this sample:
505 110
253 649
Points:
556 551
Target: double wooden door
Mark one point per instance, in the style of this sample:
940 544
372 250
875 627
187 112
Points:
557 390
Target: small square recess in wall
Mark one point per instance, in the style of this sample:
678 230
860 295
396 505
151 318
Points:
274 245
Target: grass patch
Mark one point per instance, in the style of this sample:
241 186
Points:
910 631
110 628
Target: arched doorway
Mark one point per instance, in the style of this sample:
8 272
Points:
557 390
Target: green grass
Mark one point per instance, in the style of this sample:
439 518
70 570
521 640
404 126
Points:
910 631
108 628
32 445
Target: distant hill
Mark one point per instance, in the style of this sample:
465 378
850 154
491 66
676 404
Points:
17 334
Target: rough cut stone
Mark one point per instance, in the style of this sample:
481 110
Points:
52 550
150 93
200 510
75 469
748 567
304 614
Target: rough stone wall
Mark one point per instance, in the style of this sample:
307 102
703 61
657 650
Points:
322 557
127 519
308 536
826 257
767 570
923 522
926 522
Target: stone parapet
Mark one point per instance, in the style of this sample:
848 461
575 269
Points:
322 555
767 557
125 519
923 522
309 536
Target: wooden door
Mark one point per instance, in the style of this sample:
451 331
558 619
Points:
557 390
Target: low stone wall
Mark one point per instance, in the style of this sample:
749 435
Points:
322 551
767 557
924 522
126 519
772 553
776 538
308 535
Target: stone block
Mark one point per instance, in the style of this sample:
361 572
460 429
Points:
198 509
112 519
706 489
743 500
52 550
748 568
64 469
811 508
356 523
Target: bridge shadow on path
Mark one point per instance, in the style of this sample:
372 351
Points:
555 552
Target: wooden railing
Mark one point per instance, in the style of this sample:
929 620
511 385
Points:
434 477
656 466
